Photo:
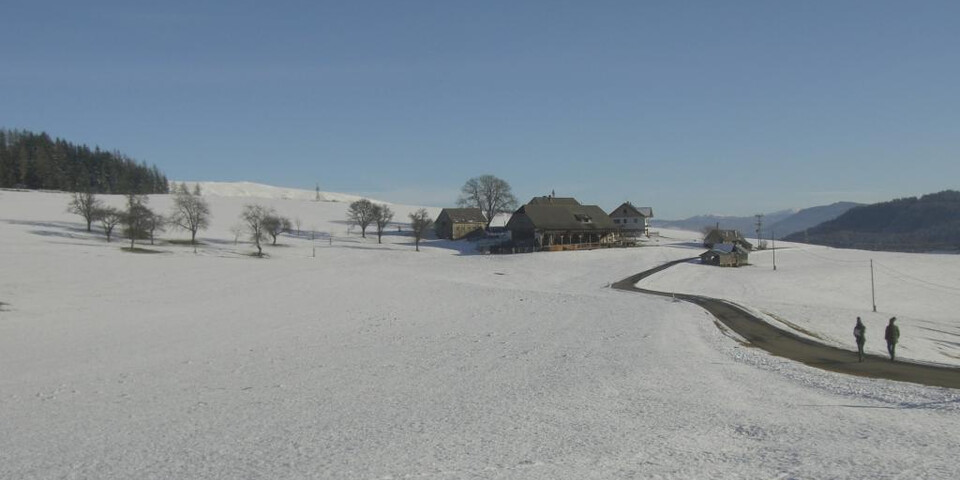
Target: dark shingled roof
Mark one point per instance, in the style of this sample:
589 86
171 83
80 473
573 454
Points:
571 217
464 215
548 200
726 236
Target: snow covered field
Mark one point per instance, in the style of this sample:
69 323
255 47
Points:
819 291
374 361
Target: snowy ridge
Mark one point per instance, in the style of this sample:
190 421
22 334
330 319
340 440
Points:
259 190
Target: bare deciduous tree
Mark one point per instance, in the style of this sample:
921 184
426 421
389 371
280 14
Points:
108 217
361 213
236 230
420 222
382 215
85 204
156 223
275 225
190 212
488 193
136 218
253 217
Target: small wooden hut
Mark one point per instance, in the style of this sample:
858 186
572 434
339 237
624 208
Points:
725 255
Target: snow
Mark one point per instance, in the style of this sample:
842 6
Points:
257 190
373 361
820 291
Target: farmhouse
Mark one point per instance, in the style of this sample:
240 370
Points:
717 236
633 221
554 223
725 255
456 223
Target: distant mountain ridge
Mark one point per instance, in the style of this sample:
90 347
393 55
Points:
746 225
911 224
809 218
781 223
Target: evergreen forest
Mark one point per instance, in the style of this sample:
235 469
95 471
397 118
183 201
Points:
35 161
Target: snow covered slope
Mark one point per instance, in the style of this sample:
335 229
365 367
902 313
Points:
257 190
342 358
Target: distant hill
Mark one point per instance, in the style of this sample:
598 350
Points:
928 223
746 225
258 190
810 217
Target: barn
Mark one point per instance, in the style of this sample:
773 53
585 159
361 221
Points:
456 223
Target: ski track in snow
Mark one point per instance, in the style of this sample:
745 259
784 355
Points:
375 362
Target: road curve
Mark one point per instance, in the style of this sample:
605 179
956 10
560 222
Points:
789 345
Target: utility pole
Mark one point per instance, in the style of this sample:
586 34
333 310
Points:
873 291
317 199
773 241
759 227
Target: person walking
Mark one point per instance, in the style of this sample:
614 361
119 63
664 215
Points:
892 335
860 334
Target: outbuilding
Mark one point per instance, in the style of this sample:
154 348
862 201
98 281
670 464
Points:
456 223
725 255
633 221
718 236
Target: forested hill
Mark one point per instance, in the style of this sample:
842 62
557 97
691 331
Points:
34 161
925 224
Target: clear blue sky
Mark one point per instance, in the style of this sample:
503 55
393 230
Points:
689 107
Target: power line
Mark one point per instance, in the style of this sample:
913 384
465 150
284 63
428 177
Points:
907 277
835 260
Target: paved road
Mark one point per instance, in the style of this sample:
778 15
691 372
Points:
788 345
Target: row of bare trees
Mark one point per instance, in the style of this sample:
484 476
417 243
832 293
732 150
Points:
262 223
364 213
190 212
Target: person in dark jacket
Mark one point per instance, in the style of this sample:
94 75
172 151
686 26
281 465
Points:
860 334
893 336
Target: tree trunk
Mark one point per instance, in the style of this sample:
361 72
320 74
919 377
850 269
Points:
131 241
88 224
193 237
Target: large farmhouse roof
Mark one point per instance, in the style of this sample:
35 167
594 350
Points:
565 217
464 215
551 200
